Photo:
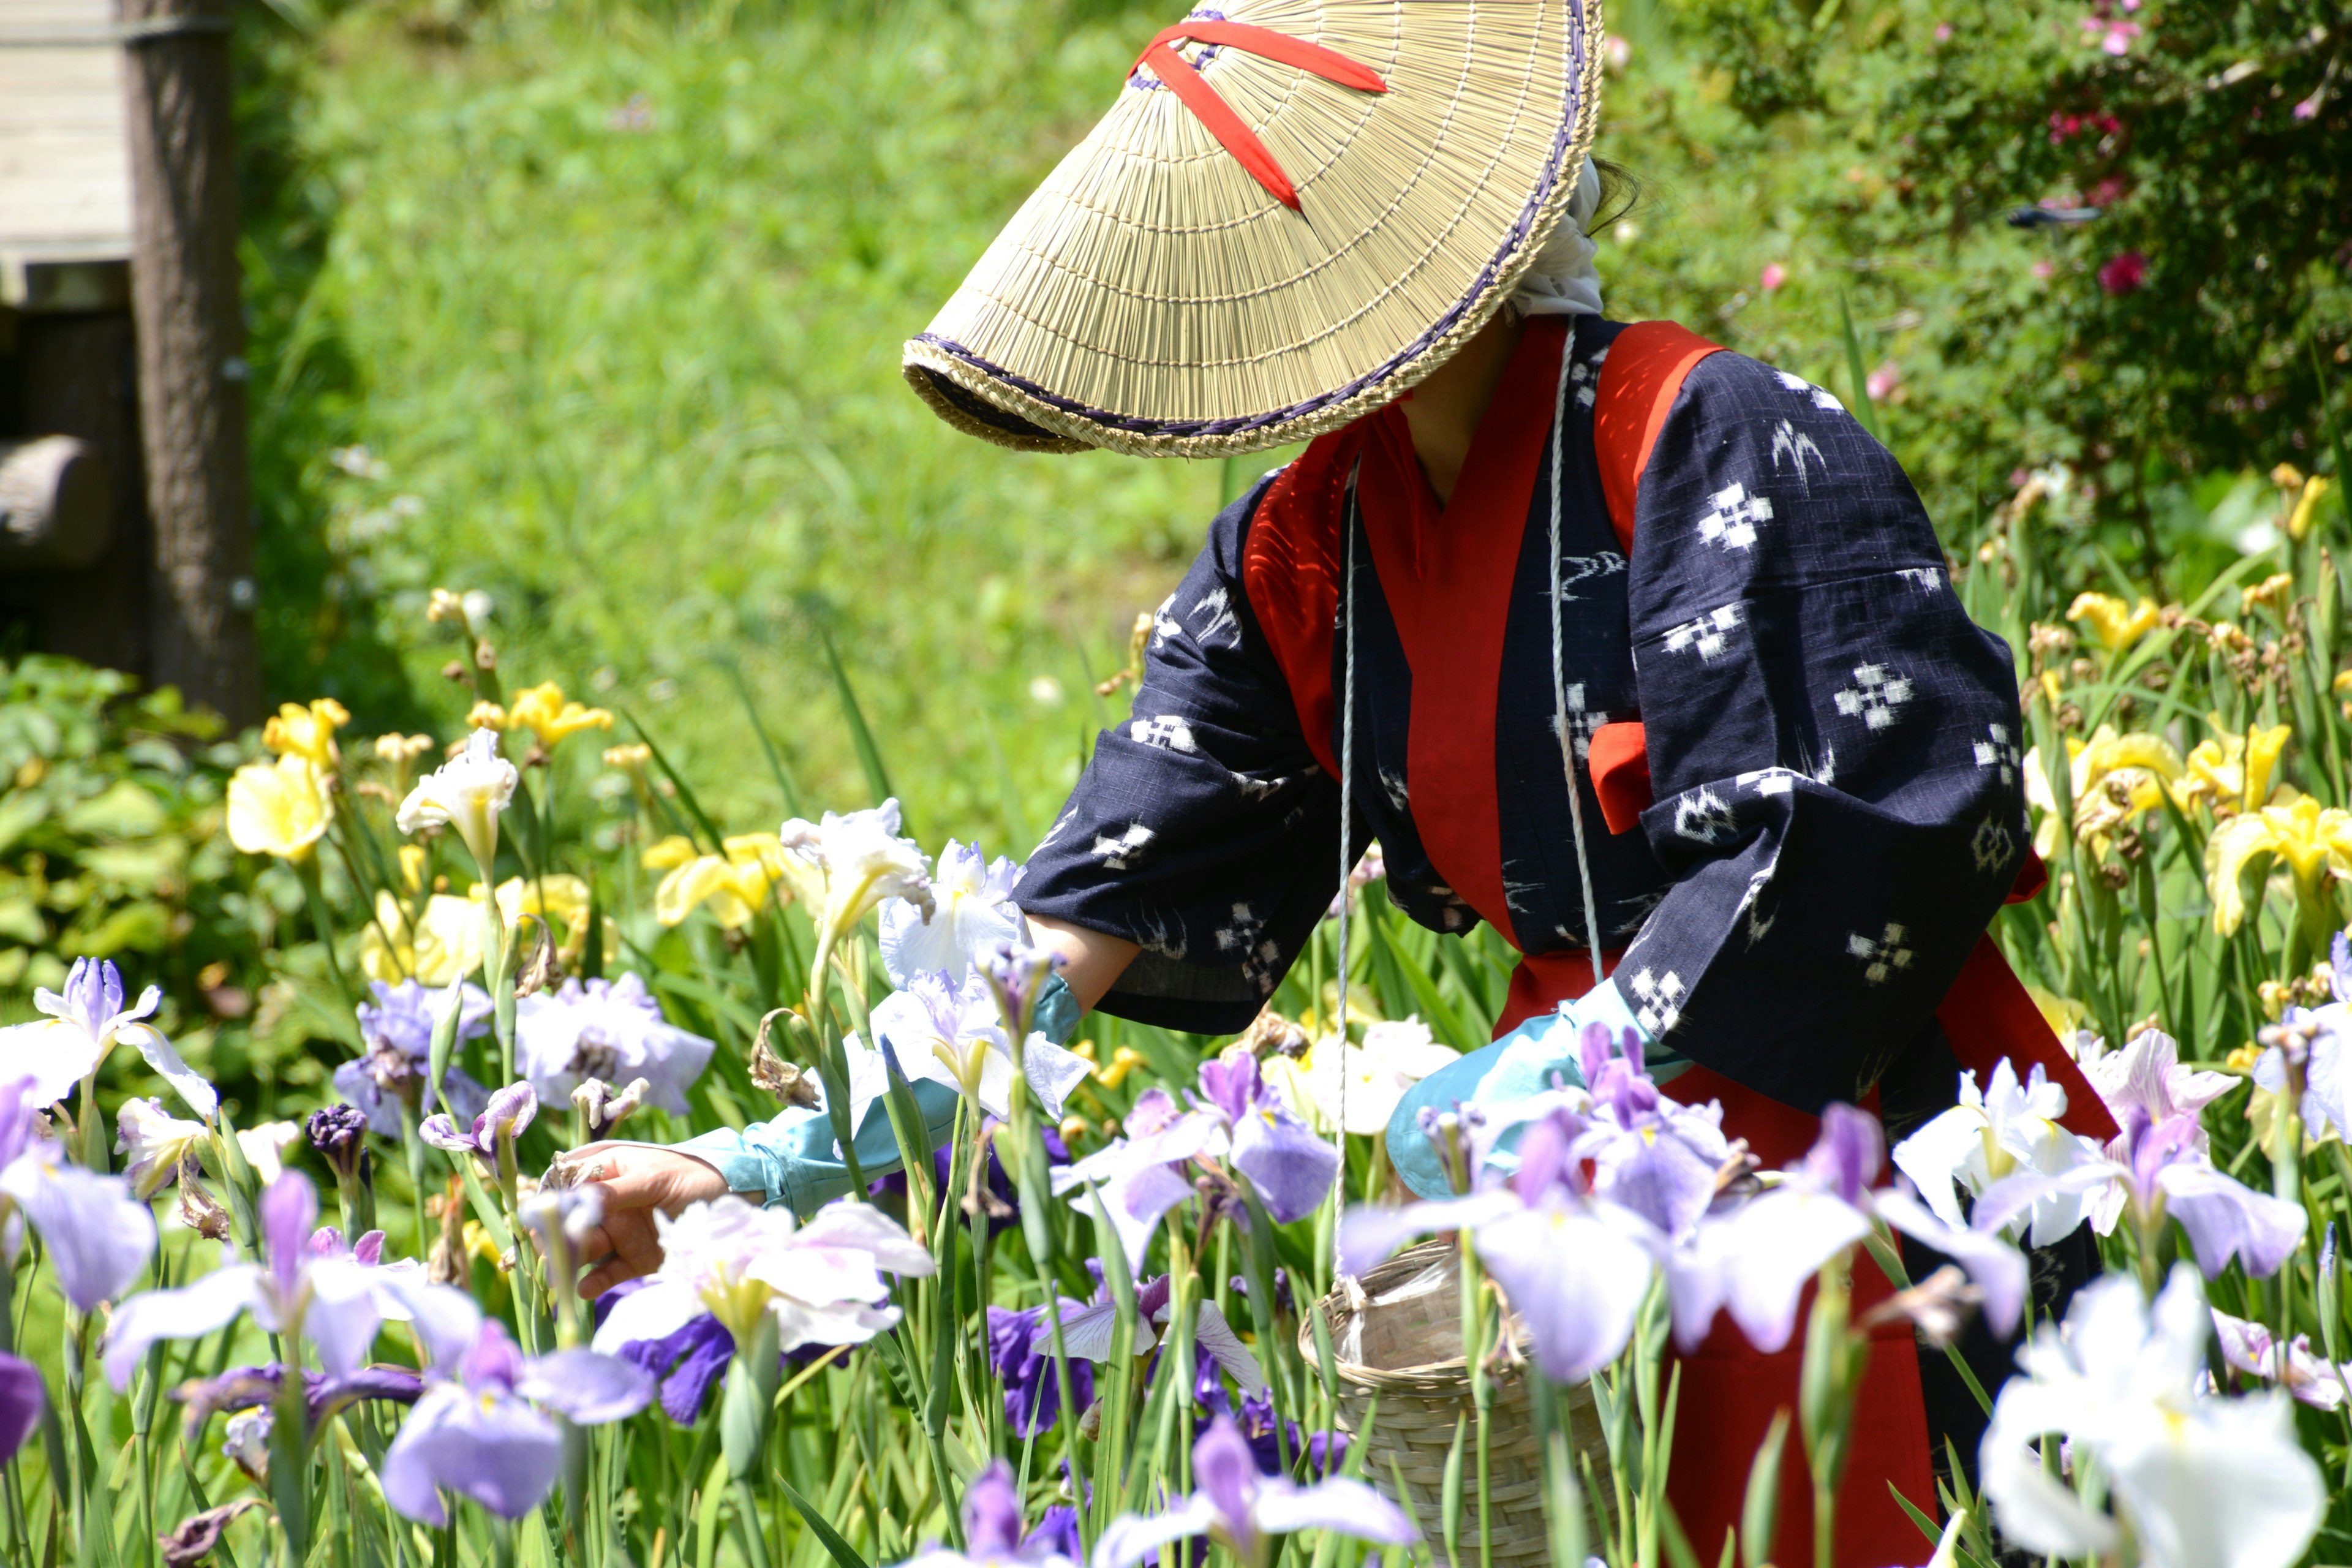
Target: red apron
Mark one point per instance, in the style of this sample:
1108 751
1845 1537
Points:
1445 572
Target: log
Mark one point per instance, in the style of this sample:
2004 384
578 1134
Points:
186 300
55 503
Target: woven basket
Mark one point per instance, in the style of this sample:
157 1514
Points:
1397 1334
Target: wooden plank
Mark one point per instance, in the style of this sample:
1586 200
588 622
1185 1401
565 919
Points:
65 172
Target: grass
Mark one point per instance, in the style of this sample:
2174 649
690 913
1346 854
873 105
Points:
626 299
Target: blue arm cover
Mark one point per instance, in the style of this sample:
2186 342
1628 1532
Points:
1520 1065
790 1160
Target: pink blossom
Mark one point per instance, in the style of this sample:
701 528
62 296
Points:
1943 32
1772 277
1882 381
2043 270
2109 34
1618 51
2124 274
2308 107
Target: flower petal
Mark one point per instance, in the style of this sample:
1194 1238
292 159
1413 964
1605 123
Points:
1130 1538
494 1449
588 1387
1341 1505
99 1236
187 1313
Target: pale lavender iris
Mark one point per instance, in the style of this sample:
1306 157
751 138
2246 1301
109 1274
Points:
510 1111
1142 1176
22 1399
398 1031
328 1297
1242 1508
2159 1169
610 1030
97 1233
1754 1257
969 915
1653 1155
481 1429
992 1529
1291 1168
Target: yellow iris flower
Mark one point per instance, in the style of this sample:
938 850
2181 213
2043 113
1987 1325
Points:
543 711
2133 764
559 898
2314 843
307 732
447 940
2107 619
736 885
2307 505
280 808
2221 774
444 942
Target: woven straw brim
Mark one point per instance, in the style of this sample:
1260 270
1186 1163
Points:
1152 298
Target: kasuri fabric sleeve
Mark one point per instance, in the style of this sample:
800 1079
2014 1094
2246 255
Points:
1202 829
1832 741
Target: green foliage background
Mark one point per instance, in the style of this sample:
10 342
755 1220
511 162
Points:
613 293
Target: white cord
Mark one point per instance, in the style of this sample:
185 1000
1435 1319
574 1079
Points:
1560 669
1347 821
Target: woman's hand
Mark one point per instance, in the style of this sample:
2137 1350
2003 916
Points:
634 1181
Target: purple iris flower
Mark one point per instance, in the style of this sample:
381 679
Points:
510 1111
1016 973
256 1388
22 1399
690 1360
1652 1154
992 1529
1326 1451
397 1029
1056 1532
481 1428
1291 1168
329 1297
1020 1352
83 1026
1087 1331
1243 1508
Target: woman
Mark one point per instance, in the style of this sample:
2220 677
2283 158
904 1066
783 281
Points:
1612 640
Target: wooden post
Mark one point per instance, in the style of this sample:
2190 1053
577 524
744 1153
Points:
187 303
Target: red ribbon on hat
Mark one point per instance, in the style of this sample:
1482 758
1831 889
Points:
1194 93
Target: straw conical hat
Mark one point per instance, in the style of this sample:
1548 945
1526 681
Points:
1156 295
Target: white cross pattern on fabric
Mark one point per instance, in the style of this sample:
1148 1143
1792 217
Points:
1707 634
1732 524
1927 579
1770 780
1876 694
1701 815
1797 447
1221 617
1169 731
1661 1000
1580 723
1259 957
1120 854
1882 957
1256 789
1821 397
1998 753
1585 376
1992 846
1584 568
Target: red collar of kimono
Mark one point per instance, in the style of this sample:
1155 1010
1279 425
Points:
1446 573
